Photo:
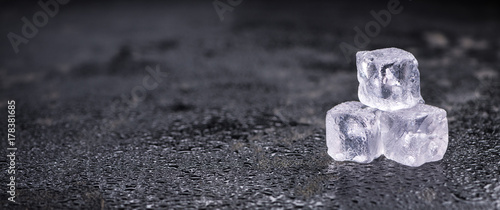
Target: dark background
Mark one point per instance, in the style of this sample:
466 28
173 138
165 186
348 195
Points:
238 122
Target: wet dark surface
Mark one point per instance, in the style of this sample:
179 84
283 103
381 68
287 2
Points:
238 119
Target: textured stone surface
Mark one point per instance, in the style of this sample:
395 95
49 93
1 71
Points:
388 79
414 136
239 121
352 132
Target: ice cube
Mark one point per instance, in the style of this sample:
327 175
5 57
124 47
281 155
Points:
352 132
388 79
414 136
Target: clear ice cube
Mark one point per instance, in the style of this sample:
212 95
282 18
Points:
414 136
388 79
352 132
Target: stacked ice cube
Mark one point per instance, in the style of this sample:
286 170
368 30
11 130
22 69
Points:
391 119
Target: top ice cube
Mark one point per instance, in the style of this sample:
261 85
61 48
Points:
388 79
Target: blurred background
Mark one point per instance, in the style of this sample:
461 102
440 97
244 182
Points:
213 104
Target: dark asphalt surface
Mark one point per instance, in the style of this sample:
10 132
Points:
237 117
